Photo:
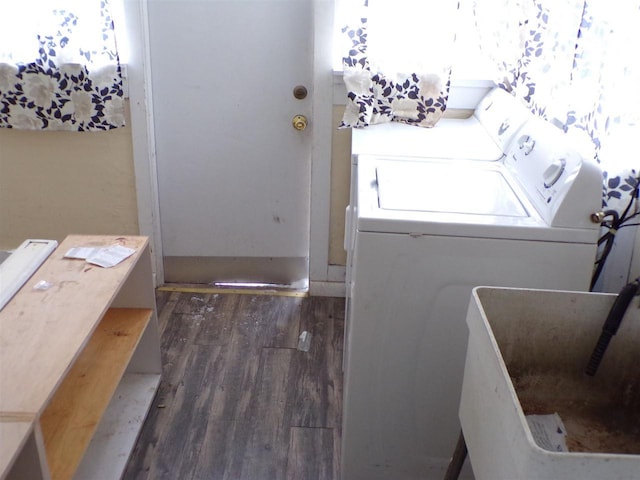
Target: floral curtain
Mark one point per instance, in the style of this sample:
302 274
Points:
59 66
575 63
398 64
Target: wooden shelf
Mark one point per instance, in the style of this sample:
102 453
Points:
42 332
80 365
72 417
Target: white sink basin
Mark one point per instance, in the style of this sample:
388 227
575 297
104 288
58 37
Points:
527 353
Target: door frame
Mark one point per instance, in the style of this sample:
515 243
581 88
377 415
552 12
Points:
143 132
324 279
144 151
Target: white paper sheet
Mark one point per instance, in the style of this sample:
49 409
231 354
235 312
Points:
548 431
102 256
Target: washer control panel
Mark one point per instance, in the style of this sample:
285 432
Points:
501 115
565 187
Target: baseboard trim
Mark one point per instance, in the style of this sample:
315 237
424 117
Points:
236 291
282 271
326 289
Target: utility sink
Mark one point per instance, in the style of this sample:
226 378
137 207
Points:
527 353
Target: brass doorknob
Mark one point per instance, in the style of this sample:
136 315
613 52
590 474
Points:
299 122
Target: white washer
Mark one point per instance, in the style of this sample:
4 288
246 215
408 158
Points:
483 136
424 233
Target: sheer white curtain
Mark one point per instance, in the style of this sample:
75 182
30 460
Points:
604 98
398 61
575 62
59 67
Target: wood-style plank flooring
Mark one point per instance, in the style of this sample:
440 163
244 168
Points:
237 399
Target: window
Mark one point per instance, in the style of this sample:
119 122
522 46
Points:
59 66
469 62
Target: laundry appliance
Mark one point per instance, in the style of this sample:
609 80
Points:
483 136
422 232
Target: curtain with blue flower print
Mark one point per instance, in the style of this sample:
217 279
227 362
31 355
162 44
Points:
398 63
575 62
59 66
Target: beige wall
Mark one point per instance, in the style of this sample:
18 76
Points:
340 186
56 183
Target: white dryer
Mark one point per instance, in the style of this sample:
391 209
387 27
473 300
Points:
424 233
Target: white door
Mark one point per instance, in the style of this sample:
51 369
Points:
233 173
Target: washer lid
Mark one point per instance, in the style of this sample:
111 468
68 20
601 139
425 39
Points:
511 215
447 188
451 138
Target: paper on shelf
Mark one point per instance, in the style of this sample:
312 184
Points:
81 253
102 256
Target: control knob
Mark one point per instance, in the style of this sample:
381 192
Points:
526 144
553 172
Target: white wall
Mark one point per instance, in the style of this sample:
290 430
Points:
635 261
623 263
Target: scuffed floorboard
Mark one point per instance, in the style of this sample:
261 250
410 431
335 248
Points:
237 400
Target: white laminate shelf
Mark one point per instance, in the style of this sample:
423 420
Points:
20 265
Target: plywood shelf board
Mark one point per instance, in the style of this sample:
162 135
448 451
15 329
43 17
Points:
71 418
42 331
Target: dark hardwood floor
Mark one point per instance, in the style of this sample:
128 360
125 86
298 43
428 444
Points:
237 399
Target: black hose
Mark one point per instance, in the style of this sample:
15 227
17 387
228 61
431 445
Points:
601 261
611 324
617 222
609 238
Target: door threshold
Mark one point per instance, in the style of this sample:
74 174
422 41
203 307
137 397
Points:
237 289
